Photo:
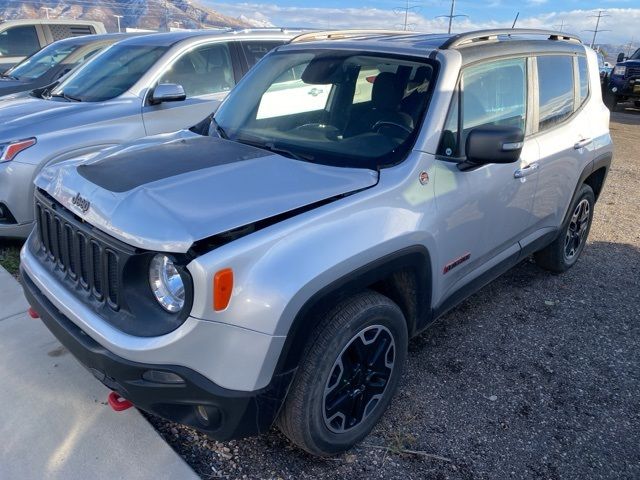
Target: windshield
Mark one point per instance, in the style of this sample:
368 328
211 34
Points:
109 74
40 63
636 55
346 109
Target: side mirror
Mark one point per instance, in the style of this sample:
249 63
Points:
494 144
167 92
620 57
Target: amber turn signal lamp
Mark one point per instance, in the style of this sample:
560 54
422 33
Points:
222 288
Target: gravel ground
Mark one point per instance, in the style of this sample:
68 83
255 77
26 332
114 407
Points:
10 255
536 376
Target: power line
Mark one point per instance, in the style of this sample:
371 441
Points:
451 15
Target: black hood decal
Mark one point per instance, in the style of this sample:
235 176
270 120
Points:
127 170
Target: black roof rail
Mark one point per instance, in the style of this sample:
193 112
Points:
492 34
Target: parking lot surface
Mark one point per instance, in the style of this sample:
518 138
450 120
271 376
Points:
535 376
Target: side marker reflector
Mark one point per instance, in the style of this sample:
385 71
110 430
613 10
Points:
222 288
32 313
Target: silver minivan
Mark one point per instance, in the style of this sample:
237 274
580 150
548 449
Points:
141 86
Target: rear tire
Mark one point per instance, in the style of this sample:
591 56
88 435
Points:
564 252
348 375
611 101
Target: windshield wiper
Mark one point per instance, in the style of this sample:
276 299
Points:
219 129
288 153
271 147
65 96
10 77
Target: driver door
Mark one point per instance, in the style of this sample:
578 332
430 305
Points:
207 76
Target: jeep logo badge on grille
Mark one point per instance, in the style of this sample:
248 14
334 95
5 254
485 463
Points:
82 203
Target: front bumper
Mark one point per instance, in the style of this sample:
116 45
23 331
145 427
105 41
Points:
16 198
230 413
625 87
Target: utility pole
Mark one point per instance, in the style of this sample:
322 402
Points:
451 15
561 27
118 17
629 47
601 13
46 9
405 12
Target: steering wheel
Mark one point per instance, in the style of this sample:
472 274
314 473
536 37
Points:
378 125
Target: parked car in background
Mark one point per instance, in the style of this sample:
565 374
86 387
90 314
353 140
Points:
53 62
624 81
22 38
146 85
274 271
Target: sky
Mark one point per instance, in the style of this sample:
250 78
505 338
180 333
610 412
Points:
621 24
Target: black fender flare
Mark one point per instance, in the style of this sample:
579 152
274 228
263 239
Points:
415 258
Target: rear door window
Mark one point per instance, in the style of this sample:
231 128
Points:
555 86
254 51
20 41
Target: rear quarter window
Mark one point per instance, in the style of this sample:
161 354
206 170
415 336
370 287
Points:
583 73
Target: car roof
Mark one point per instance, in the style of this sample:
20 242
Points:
89 39
473 45
168 39
50 21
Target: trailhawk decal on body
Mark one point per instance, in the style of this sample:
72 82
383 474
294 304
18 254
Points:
450 266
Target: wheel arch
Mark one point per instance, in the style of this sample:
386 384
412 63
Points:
403 276
594 175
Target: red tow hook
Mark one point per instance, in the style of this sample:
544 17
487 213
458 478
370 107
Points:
117 403
32 313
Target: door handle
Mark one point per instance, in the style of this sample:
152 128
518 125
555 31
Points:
528 170
582 143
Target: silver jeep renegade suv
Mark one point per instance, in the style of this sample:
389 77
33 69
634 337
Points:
351 189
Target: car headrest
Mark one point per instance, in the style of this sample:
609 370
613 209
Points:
387 91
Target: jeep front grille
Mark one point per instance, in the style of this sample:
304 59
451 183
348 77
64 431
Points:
71 246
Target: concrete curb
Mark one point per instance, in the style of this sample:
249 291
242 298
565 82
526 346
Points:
54 420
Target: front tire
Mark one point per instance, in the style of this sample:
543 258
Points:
564 252
348 375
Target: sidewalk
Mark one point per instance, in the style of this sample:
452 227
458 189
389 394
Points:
54 420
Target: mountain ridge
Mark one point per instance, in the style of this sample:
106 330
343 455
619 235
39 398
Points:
144 14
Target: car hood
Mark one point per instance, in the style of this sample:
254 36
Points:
8 86
25 111
166 195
